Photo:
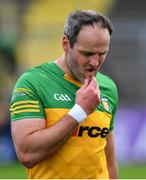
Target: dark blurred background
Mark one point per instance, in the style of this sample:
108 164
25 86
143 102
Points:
30 34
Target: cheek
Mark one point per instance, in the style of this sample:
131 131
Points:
74 59
80 64
78 61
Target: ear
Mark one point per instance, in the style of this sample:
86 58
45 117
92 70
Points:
65 43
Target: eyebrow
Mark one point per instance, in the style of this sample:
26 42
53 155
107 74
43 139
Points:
89 53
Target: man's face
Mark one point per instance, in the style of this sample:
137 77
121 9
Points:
88 52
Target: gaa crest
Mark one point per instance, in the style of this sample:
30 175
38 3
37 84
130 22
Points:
105 103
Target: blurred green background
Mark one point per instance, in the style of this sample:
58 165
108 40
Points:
17 171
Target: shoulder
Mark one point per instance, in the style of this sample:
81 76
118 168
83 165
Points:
106 83
108 88
105 80
35 74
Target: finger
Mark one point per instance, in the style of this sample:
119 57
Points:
86 83
97 87
98 91
93 82
89 78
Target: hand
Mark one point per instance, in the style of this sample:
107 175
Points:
88 96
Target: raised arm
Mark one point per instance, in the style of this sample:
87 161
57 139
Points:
34 141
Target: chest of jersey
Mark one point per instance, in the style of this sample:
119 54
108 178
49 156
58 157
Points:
86 145
59 98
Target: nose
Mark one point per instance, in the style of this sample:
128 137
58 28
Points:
94 60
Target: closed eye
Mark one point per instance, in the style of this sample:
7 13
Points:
102 54
87 54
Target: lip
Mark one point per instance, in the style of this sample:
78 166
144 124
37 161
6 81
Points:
91 69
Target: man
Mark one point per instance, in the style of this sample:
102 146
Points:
63 112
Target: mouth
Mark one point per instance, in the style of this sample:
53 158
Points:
91 70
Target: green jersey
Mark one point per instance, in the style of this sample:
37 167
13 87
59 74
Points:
46 92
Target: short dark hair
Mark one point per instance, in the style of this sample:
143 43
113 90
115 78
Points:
76 20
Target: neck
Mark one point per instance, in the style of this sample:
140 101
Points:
61 62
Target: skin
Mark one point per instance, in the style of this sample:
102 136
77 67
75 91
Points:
111 157
81 62
88 53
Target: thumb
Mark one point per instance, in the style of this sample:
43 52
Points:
86 82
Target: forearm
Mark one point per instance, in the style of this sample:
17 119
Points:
111 157
34 142
113 171
45 142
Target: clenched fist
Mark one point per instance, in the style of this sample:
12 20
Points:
88 96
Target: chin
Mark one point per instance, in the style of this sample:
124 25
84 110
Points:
89 75
79 78
82 79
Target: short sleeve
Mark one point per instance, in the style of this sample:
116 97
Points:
26 101
114 103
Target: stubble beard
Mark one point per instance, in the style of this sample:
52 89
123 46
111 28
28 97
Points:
77 76
80 76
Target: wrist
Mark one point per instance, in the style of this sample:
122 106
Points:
78 113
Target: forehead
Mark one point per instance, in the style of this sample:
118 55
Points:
93 36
